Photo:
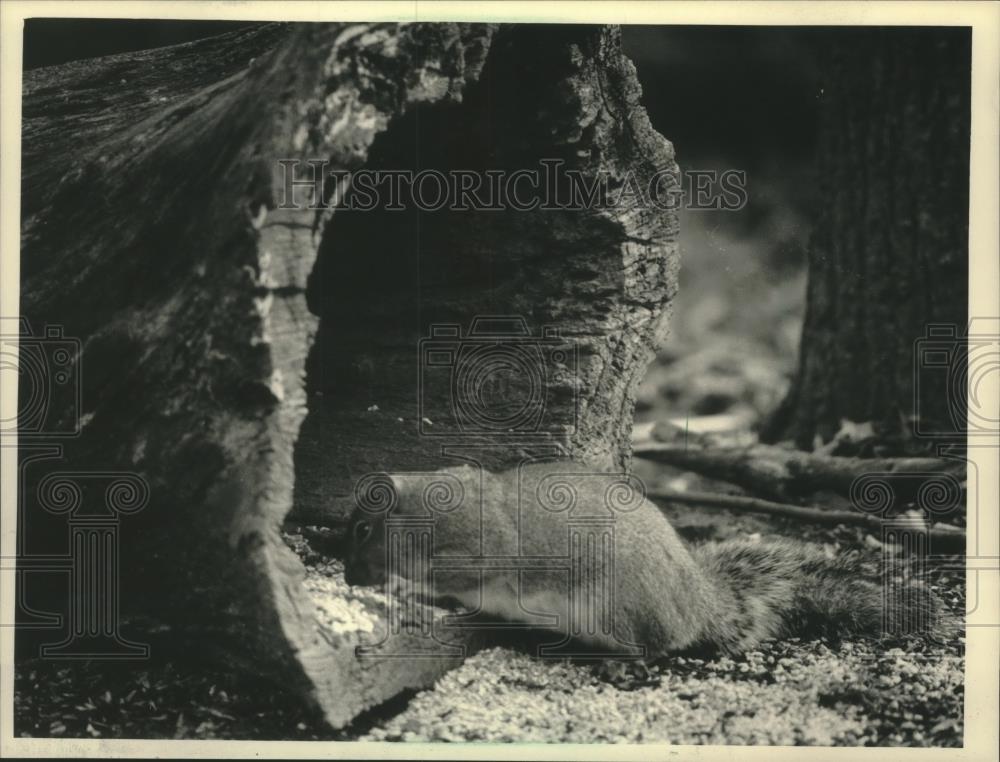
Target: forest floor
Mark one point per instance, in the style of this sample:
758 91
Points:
906 692
728 361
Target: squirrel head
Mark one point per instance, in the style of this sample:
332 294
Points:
447 502
365 561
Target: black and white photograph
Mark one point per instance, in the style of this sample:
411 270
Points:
383 377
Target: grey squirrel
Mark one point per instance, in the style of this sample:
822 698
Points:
504 544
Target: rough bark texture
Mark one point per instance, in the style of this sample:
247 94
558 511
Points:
149 232
889 255
599 278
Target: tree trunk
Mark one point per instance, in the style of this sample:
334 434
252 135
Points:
889 255
152 234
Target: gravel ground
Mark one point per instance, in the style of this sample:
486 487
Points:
907 692
790 692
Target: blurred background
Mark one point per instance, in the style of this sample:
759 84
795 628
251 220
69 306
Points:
742 98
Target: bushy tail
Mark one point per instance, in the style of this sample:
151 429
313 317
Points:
788 589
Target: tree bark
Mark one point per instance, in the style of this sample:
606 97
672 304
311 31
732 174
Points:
889 254
599 279
151 232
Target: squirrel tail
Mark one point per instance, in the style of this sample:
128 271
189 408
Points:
786 589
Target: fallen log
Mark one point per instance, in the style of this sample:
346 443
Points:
247 359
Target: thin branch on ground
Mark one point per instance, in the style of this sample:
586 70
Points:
951 537
778 473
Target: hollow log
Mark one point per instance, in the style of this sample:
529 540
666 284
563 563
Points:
248 361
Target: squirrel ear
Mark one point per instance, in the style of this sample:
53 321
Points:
398 482
461 469
467 473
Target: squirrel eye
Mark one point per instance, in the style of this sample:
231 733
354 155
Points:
362 531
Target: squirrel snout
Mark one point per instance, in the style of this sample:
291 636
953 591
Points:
358 571
351 576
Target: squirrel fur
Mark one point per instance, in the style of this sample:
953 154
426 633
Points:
667 596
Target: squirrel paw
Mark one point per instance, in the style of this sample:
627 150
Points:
625 675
